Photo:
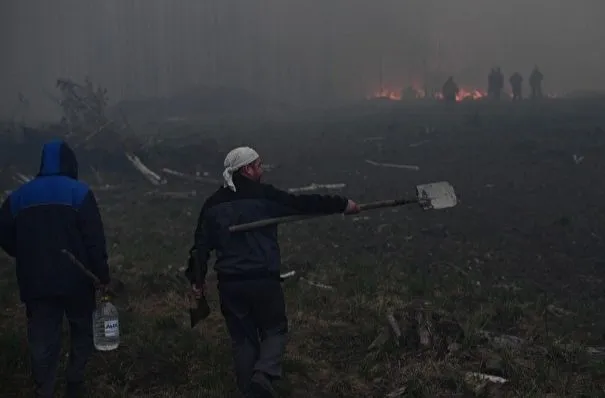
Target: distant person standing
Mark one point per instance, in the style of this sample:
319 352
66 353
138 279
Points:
535 82
516 83
51 213
491 83
499 81
495 83
450 90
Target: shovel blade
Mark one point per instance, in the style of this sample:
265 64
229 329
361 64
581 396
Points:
436 195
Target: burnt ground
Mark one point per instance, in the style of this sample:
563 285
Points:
521 254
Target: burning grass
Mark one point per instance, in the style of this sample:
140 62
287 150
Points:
464 94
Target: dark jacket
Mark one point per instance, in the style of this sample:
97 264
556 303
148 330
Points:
255 253
52 212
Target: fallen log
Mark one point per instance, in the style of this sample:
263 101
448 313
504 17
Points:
482 376
393 165
394 326
505 341
502 340
22 178
416 325
317 284
397 393
287 275
154 178
479 381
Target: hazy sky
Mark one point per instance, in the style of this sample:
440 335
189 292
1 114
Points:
299 50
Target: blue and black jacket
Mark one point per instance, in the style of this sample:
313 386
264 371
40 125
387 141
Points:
52 212
251 254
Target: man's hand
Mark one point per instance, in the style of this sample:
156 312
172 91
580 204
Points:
198 292
352 208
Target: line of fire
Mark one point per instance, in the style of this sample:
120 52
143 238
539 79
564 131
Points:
450 90
415 91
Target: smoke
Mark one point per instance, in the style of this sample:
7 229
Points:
299 51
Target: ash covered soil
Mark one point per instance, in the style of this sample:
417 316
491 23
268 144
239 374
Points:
520 255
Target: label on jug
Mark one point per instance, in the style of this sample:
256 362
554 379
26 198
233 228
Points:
112 328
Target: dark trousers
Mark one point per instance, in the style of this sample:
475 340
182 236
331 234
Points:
536 92
44 325
255 314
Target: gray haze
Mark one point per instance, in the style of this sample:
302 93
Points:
302 51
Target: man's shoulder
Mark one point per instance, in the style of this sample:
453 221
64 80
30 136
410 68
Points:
251 190
62 181
80 189
262 191
42 185
60 190
220 195
77 184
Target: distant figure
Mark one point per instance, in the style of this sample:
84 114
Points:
490 83
499 83
516 83
535 82
495 83
450 90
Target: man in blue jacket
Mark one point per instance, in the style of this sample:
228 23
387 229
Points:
51 213
248 265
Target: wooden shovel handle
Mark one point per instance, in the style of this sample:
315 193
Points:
300 217
87 272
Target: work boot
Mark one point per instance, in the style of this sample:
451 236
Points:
74 390
261 387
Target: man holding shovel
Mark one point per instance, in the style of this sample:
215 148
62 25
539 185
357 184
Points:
39 221
247 265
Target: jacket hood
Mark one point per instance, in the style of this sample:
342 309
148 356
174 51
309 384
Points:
58 159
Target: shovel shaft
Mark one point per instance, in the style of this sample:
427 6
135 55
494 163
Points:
300 217
85 270
387 203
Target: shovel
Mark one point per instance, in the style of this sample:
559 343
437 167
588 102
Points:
433 196
201 309
88 273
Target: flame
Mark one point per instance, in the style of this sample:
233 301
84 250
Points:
466 94
473 94
387 94
397 95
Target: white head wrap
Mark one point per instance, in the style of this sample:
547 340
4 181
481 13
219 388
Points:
237 158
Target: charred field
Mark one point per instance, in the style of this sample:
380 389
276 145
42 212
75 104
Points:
508 283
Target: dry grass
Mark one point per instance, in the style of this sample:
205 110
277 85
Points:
472 269
330 333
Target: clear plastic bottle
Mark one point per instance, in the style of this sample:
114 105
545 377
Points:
106 326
